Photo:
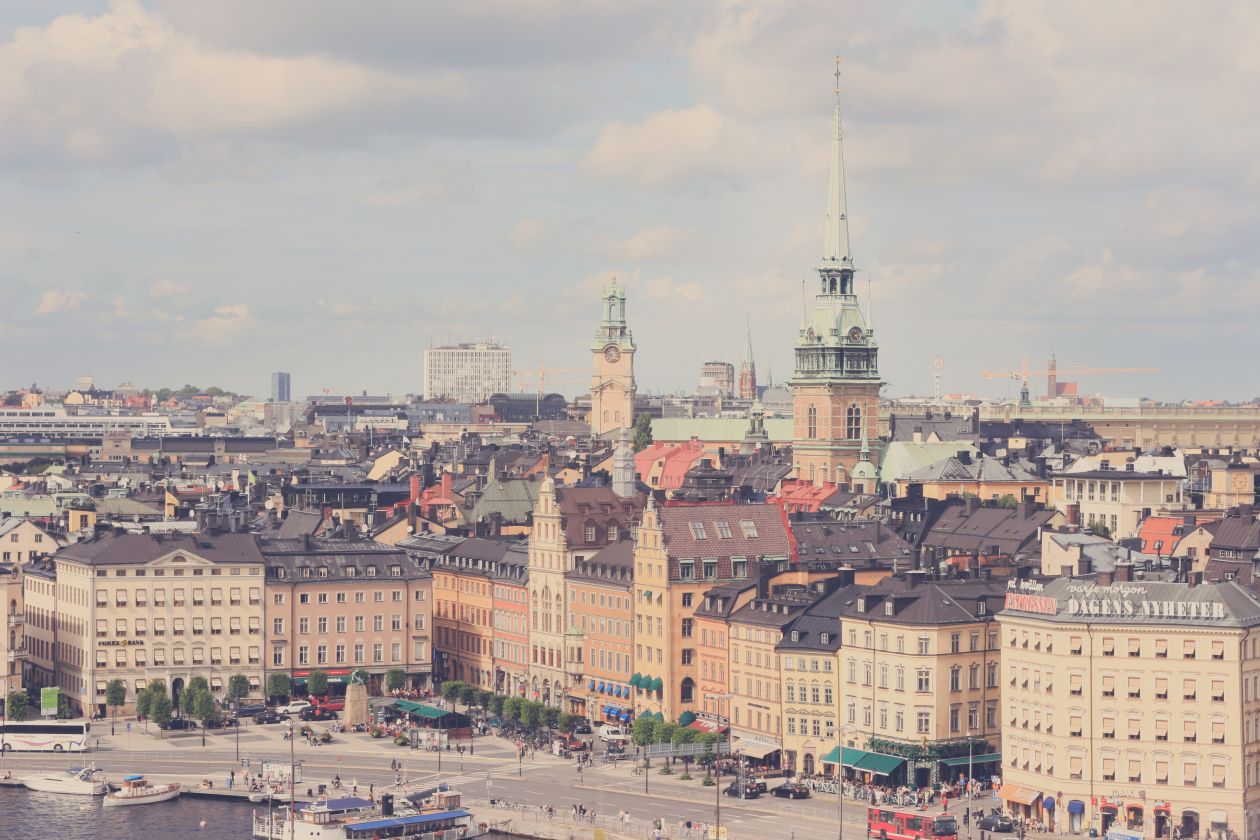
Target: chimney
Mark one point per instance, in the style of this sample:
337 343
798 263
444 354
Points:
411 517
844 577
1105 578
415 486
1074 514
1124 572
973 565
971 504
1194 579
447 483
918 436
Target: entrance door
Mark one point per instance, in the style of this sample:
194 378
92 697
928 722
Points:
177 688
922 776
1189 823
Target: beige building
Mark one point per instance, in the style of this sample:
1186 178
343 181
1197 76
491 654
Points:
39 605
21 541
1132 704
1116 500
140 607
12 635
919 680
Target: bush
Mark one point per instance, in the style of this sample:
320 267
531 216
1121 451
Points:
325 738
685 777
402 741
667 770
376 733
709 781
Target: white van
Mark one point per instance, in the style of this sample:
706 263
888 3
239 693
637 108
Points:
608 732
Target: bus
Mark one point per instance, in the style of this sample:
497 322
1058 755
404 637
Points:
907 825
46 736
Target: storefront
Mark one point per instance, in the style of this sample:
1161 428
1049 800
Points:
1076 816
1163 825
1020 800
865 766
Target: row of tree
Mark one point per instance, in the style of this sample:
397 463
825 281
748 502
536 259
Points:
529 714
279 684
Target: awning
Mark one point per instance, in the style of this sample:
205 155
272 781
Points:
625 717
755 749
706 725
421 710
332 680
644 682
832 757
634 680
962 760
1048 803
601 688
1076 806
875 763
591 687
1020 794
657 684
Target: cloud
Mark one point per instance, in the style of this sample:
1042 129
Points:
59 300
655 244
225 325
532 237
669 290
167 288
669 148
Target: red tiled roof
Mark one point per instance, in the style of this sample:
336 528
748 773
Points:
767 535
1161 529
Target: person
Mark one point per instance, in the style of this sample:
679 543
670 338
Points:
337 781
231 778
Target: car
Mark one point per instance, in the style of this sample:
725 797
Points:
581 727
574 744
791 790
332 704
996 822
608 732
742 791
316 713
267 716
758 785
224 722
250 709
292 708
179 723
615 748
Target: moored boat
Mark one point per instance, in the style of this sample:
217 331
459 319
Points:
137 790
82 781
431 814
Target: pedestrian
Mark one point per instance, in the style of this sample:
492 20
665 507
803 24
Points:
372 792
231 778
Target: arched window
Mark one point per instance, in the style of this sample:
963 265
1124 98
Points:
812 429
853 423
686 691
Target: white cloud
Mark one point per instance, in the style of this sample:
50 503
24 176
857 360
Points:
59 300
532 237
669 148
671 291
656 244
167 288
225 324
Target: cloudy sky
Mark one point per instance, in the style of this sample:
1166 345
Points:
205 192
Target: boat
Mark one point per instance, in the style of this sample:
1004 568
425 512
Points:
83 781
430 814
137 790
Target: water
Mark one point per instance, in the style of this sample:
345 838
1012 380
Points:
31 815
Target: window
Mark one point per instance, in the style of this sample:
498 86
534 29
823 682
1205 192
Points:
1108 647
749 528
1189 649
923 720
812 422
853 423
697 530
923 680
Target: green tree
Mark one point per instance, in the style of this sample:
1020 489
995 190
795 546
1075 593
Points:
664 732
199 682
468 695
642 432
496 705
550 716
160 710
451 690
238 687
483 699
63 707
115 695
278 684
641 732
531 714
156 688
144 702
188 700
16 705
317 683
565 721
395 679
205 708
512 708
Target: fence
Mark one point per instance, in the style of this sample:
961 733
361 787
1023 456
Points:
527 815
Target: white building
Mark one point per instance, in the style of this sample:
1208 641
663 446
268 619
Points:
54 422
467 373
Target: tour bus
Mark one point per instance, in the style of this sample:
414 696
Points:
46 736
905 825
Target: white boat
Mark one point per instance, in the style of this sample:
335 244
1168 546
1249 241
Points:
137 790
83 781
353 818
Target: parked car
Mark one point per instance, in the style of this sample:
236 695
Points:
316 713
996 822
758 785
742 791
332 704
293 707
608 732
251 709
616 748
574 744
180 723
581 727
267 716
791 790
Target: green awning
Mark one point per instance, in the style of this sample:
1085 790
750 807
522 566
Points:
962 760
659 716
657 684
421 710
645 713
635 680
871 762
832 757
686 718
850 757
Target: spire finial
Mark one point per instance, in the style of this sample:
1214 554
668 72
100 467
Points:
836 236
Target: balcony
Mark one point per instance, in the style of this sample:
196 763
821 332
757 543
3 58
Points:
17 653
16 619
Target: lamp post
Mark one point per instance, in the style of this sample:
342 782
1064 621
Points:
717 776
969 783
840 787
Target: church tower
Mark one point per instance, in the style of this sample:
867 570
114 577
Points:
836 384
748 368
612 380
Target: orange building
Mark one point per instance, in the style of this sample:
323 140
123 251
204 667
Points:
511 622
602 615
463 606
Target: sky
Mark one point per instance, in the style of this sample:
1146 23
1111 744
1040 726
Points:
197 192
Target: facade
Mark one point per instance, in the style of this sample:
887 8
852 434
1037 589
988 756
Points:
919 676
140 607
1132 704
683 550
599 597
713 643
281 387
510 581
346 605
467 373
836 384
54 422
612 380
718 376
22 541
39 627
1117 500
13 648
464 581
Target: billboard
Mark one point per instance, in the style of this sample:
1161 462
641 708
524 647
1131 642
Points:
48 701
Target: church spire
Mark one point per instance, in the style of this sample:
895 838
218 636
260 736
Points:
837 269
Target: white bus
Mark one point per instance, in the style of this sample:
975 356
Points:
46 736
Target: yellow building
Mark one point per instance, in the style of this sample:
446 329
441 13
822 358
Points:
1132 704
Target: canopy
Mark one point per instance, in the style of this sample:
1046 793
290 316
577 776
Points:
421 710
658 716
686 718
657 684
1021 794
832 757
1076 806
875 763
601 688
644 682
645 713
962 760
1047 802
591 687
755 749
634 680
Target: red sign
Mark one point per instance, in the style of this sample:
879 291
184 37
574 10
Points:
1031 603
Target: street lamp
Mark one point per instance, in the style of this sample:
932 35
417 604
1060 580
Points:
840 787
717 776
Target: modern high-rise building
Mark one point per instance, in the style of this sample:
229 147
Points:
281 391
467 373
835 388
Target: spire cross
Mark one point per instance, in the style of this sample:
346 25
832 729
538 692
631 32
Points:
838 60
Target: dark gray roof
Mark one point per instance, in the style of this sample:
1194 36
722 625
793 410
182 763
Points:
927 602
110 548
823 616
1139 602
367 558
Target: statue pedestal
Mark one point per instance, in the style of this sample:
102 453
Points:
356 711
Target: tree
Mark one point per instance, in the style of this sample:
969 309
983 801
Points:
238 687
160 709
279 684
395 679
1008 501
642 432
188 700
199 682
497 703
664 732
205 708
16 705
531 714
115 696
451 690
317 683
144 702
483 699
641 732
468 695
565 721
550 716
512 708
156 688
63 707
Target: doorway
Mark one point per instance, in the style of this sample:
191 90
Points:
177 688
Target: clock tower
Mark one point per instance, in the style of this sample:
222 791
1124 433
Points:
836 384
612 380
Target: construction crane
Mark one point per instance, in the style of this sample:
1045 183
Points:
541 376
1023 373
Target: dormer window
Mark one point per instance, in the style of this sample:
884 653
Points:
723 529
370 570
749 528
888 607
825 638
306 571
982 607
697 531
796 635
350 571
395 571
323 572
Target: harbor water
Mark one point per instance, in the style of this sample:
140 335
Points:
30 815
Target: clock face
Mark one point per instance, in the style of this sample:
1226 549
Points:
612 352
855 334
